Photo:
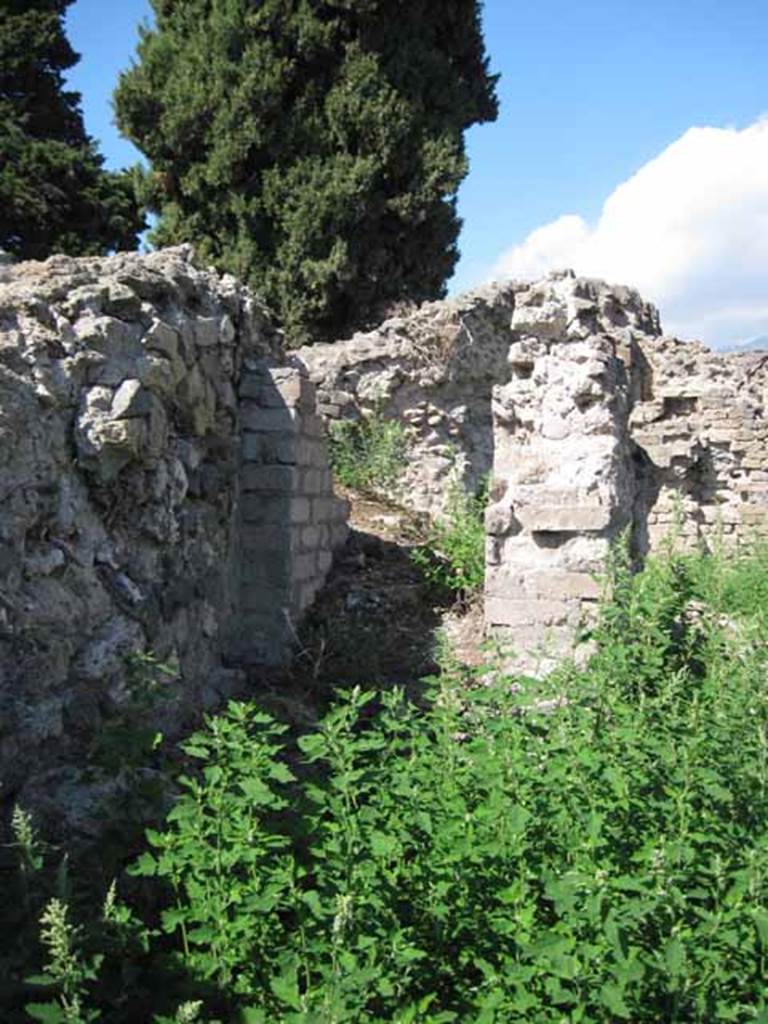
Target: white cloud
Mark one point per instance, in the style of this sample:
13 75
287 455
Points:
689 230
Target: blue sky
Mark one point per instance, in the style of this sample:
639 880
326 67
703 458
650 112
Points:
598 100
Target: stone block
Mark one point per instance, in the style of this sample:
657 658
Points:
254 447
256 418
295 391
306 594
312 452
275 536
265 566
265 599
251 385
269 449
752 515
721 435
304 567
510 611
156 373
122 302
713 514
559 519
299 510
265 509
207 331
276 479
313 426
328 509
131 400
557 585
162 337
313 537
314 481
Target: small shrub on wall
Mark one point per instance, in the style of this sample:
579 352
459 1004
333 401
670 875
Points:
368 454
453 555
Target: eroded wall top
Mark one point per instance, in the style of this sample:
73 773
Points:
432 369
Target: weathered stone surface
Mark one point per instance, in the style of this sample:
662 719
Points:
129 476
433 370
563 459
164 482
590 420
606 425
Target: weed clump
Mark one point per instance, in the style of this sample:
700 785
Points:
590 848
368 454
453 554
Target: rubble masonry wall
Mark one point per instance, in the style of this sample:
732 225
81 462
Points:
164 488
588 420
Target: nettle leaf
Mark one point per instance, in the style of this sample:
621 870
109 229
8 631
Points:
280 772
203 934
517 818
612 997
257 792
760 917
383 845
512 893
145 866
312 900
196 750
286 988
47 1013
674 956
213 774
252 1015
172 918
314 746
43 980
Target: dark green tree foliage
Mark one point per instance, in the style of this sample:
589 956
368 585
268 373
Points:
55 195
312 147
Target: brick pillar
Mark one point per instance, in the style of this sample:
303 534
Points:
289 520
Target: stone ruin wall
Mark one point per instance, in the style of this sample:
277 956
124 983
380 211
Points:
164 488
589 421
703 426
432 370
164 480
607 426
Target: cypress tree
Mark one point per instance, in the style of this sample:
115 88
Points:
55 195
311 147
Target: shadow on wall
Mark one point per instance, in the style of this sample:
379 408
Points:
290 521
377 622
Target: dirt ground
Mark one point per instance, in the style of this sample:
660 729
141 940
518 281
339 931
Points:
377 622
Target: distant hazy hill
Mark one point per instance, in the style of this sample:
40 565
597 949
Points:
756 345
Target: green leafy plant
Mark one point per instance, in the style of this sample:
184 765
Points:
453 555
128 739
66 969
591 847
186 1013
368 454
28 846
225 866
